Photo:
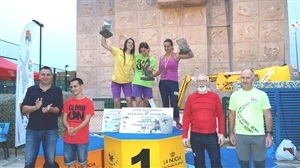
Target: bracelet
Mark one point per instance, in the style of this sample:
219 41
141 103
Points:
269 132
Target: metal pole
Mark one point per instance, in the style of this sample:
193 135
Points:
66 78
296 50
41 26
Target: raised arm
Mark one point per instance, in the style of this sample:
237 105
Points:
105 45
185 56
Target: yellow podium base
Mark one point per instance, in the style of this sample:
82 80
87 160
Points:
144 150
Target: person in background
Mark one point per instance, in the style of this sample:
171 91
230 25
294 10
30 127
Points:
142 88
123 64
202 109
168 84
43 102
248 107
77 113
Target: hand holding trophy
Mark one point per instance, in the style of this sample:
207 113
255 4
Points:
105 32
183 47
147 71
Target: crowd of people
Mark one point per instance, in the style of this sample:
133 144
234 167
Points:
203 118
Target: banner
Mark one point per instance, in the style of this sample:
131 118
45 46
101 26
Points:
27 51
147 120
111 120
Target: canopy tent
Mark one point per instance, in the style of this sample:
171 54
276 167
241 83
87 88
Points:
8 71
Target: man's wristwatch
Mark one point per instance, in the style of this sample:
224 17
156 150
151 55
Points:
269 132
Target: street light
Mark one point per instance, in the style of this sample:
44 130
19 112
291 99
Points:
66 78
295 28
41 26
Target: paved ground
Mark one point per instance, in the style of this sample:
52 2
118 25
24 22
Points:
95 126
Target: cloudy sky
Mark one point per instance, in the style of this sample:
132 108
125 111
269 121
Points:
58 34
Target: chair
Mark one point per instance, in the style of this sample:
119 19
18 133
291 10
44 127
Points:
4 127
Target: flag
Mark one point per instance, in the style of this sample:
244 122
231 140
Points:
25 77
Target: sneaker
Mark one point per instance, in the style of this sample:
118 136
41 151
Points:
178 126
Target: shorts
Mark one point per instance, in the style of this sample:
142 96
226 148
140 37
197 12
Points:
141 91
116 89
72 150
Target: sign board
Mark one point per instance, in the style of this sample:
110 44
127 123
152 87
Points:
147 120
111 120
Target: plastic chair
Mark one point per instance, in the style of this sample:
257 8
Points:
4 127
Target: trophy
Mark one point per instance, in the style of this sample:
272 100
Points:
105 29
147 72
183 47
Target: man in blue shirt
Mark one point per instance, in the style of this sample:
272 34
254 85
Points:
43 102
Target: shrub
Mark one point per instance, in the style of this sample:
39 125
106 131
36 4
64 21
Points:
7 114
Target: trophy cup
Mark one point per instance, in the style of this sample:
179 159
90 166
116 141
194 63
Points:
183 47
147 72
105 29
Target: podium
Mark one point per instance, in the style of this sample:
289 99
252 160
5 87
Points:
144 150
95 153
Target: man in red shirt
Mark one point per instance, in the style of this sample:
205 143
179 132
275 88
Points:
202 111
77 113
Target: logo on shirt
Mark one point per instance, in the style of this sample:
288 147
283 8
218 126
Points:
76 112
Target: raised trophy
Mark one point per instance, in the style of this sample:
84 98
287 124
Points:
183 47
147 72
105 32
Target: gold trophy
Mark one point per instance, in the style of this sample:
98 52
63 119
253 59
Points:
105 32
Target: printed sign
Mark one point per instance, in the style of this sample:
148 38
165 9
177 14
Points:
147 120
111 120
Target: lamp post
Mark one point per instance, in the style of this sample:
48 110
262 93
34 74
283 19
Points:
66 78
41 26
295 28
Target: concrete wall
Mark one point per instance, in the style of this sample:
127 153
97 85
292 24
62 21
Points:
225 35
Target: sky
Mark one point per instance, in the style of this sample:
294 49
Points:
294 16
58 33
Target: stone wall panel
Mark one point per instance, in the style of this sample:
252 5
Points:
105 7
219 53
125 20
151 36
271 31
122 34
125 5
86 8
170 17
245 52
105 58
88 75
195 34
172 33
148 19
193 16
218 35
104 76
87 58
86 41
146 4
245 32
86 25
245 11
271 52
271 10
217 15
217 67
